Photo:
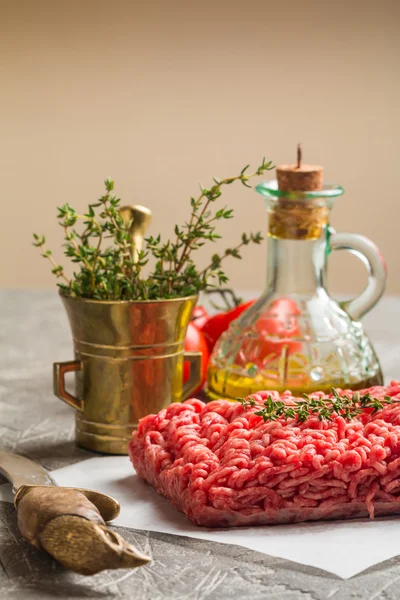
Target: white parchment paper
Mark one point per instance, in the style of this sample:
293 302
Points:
343 548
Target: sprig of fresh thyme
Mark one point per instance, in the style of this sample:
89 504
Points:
115 272
323 408
104 274
57 270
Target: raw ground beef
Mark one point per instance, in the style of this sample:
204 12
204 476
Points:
224 466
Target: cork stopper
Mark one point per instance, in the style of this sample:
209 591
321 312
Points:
300 177
298 218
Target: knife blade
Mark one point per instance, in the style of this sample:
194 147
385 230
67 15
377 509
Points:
23 471
67 523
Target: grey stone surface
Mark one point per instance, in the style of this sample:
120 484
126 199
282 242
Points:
33 334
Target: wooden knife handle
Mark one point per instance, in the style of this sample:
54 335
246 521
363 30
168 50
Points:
70 527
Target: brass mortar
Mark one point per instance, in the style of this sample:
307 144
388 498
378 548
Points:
129 359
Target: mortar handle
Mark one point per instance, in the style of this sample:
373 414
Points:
138 218
195 361
59 371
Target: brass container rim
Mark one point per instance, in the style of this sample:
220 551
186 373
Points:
119 302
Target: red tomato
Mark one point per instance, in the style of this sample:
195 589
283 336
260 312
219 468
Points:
199 317
217 324
280 322
195 342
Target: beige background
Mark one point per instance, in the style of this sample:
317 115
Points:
160 95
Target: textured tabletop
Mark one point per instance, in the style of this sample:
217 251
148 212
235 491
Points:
33 334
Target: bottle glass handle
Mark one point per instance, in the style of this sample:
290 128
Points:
370 255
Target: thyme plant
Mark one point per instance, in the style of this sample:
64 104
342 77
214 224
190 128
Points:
108 269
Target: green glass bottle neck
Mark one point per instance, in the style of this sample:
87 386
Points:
296 266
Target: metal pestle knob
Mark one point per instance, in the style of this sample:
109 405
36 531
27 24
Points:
140 218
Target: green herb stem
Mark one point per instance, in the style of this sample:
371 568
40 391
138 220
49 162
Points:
57 269
211 195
